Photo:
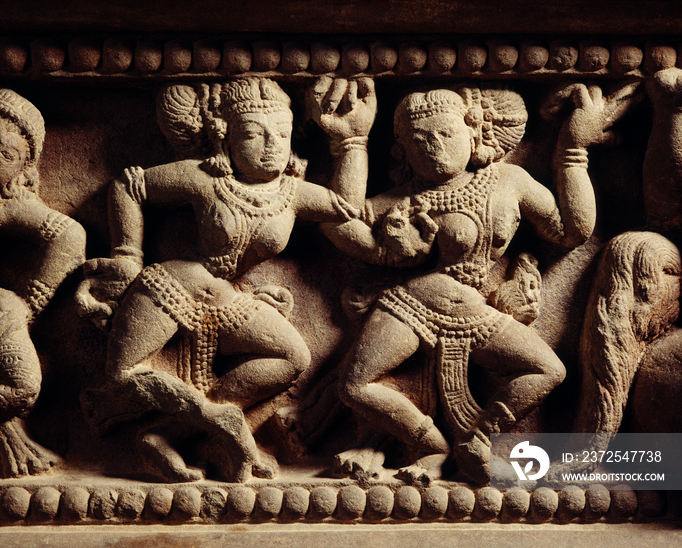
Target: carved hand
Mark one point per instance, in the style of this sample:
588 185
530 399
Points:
343 108
106 280
408 235
590 122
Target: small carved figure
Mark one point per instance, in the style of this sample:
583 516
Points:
61 242
460 204
245 186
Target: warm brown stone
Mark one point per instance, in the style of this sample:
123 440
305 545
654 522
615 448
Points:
295 503
84 54
117 56
236 57
213 502
354 58
103 503
13 55
268 502
442 56
383 56
625 56
45 504
503 56
148 56
324 57
593 56
266 55
471 56
412 57
562 55
544 504
177 57
532 56
15 503
515 504
206 55
47 55
434 502
295 57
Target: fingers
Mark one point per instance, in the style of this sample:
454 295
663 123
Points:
619 102
551 108
609 138
317 94
351 98
595 94
581 96
334 96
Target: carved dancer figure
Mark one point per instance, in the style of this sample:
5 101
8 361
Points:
61 243
240 178
460 204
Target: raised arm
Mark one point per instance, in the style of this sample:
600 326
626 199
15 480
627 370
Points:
588 124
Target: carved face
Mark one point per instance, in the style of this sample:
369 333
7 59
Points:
13 152
438 147
260 145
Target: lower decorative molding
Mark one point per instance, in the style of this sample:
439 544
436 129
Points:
69 500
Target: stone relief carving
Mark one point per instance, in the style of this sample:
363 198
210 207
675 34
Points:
245 188
196 343
61 249
461 203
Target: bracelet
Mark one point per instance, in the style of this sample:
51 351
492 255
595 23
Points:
129 252
54 225
339 148
38 296
571 157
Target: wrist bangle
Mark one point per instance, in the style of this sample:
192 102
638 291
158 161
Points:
571 157
128 252
339 148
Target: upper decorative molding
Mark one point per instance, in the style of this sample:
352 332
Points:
163 57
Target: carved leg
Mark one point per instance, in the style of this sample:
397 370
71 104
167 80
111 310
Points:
274 355
385 343
170 465
19 455
20 378
140 328
514 351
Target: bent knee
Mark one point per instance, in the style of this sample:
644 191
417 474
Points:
554 372
299 357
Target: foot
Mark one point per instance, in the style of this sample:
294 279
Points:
166 461
364 464
424 471
20 455
472 456
288 423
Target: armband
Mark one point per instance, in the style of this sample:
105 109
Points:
339 148
54 225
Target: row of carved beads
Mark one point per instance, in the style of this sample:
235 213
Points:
348 503
120 55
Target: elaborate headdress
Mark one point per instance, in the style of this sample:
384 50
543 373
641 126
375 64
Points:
27 118
496 116
195 120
